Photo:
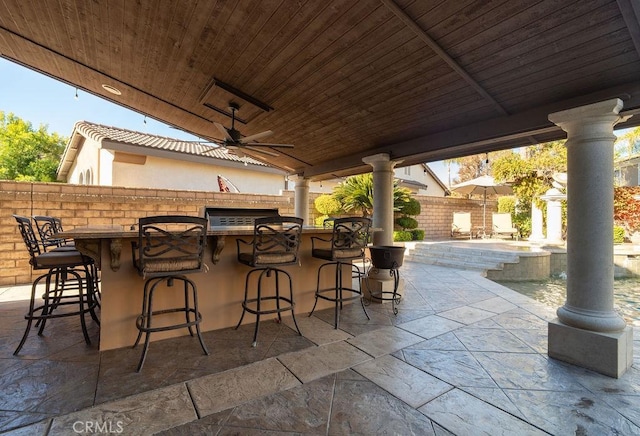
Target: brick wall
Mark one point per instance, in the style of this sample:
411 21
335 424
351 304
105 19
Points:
436 214
82 205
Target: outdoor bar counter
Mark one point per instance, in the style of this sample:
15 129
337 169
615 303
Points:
220 288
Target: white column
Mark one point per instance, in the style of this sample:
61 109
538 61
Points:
588 331
382 197
536 223
554 199
301 199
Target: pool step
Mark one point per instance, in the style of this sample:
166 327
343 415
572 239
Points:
464 257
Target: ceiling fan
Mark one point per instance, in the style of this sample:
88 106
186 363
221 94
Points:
233 139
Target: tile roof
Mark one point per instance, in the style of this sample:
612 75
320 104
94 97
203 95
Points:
99 133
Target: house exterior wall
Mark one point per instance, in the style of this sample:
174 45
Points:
418 174
176 174
95 165
87 161
627 175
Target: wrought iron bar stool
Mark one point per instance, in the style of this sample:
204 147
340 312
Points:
68 282
348 241
167 249
48 227
275 243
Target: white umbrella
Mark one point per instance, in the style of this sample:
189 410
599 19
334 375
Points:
482 185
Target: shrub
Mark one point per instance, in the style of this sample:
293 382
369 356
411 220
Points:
407 223
626 209
523 223
507 204
411 207
319 221
327 205
417 234
618 234
402 236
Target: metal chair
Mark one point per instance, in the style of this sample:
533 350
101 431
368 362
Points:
348 241
68 282
48 227
275 243
167 249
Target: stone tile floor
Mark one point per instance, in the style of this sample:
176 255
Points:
464 356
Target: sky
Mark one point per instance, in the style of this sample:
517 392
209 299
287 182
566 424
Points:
41 100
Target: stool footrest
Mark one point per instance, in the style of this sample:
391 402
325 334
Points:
246 305
321 294
140 321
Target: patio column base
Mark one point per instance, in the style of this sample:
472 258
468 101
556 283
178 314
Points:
610 354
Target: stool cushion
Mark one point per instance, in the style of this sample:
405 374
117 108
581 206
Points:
52 259
267 258
168 265
349 253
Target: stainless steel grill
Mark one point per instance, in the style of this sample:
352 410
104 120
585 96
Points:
224 216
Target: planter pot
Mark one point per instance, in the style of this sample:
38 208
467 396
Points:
386 256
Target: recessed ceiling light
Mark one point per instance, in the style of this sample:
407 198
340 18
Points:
111 89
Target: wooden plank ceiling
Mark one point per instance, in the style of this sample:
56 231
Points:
342 79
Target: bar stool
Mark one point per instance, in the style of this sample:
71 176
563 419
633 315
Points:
275 243
68 282
48 227
167 249
348 242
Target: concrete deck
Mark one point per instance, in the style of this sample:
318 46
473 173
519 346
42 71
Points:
464 356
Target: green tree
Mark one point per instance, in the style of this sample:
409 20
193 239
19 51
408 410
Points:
355 194
531 175
27 153
470 167
628 144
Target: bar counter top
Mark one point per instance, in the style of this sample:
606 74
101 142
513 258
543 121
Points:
108 232
90 239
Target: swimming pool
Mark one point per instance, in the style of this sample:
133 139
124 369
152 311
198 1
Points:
553 292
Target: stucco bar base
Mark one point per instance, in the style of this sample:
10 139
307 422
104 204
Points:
220 293
607 353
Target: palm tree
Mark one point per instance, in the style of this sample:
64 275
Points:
355 194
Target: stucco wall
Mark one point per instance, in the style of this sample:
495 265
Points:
81 205
86 161
176 174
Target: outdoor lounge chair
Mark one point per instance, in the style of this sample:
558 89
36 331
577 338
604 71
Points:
461 224
502 225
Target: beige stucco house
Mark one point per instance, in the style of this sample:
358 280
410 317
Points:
421 180
110 156
626 171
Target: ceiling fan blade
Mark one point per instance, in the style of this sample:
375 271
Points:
252 138
266 144
268 152
224 131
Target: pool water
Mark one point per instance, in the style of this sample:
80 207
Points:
553 292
